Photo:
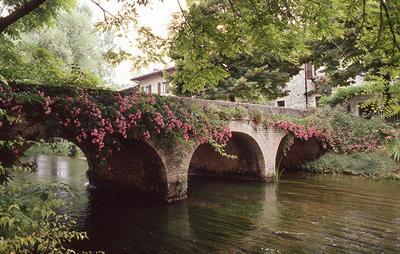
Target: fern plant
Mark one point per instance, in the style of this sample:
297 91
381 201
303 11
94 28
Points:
394 149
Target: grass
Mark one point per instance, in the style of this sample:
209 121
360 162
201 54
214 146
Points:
372 164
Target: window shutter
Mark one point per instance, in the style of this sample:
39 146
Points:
166 87
309 71
159 87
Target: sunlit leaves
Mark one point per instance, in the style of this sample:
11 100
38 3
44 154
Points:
40 16
214 35
30 223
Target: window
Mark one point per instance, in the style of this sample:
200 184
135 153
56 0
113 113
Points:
317 98
281 103
147 89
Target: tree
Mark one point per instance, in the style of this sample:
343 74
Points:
251 78
366 44
235 49
19 61
72 38
24 15
64 52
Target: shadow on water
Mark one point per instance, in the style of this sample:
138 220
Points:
304 213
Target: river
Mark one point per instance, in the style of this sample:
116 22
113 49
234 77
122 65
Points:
304 213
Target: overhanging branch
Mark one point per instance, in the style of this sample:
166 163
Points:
19 13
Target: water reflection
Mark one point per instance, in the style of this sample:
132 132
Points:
302 214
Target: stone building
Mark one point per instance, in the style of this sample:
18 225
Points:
301 90
154 82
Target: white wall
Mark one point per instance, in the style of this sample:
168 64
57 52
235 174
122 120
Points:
153 81
296 92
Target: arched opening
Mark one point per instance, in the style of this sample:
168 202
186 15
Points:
135 167
297 153
248 164
56 160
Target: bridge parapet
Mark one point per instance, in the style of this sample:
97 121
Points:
249 106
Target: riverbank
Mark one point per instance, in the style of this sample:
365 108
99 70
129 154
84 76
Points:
376 165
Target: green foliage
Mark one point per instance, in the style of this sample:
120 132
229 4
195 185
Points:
355 133
58 147
256 116
65 52
382 99
342 94
30 223
366 42
38 65
393 146
237 112
394 150
374 164
72 39
43 15
256 77
227 49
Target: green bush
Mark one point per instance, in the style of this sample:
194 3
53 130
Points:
373 164
393 149
342 94
55 147
30 223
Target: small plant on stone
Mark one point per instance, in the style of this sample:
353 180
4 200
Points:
256 116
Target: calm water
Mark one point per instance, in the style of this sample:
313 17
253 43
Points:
303 214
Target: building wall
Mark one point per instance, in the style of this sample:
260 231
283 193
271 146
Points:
296 97
153 82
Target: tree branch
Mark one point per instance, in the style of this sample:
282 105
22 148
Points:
380 27
19 13
105 11
390 25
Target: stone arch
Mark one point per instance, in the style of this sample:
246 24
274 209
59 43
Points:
249 162
299 152
137 167
37 132
255 147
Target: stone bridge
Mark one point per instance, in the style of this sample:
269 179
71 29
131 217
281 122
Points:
142 165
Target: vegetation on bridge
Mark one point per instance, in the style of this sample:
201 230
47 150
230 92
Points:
99 120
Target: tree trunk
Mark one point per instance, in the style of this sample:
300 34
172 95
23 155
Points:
386 93
19 13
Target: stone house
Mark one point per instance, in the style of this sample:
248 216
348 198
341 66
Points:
154 82
301 89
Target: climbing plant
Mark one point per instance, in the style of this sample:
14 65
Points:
101 119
